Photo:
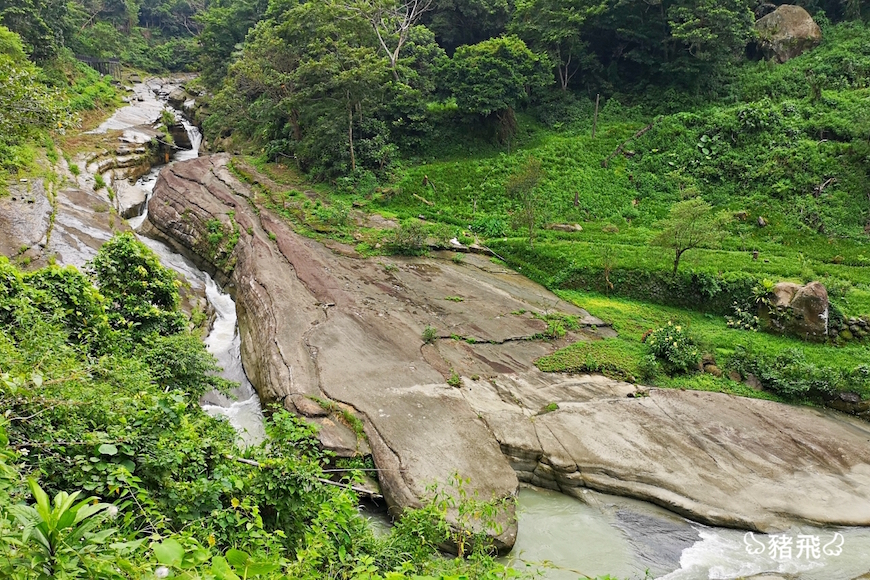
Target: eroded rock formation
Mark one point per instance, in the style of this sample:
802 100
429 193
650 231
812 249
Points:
321 324
795 310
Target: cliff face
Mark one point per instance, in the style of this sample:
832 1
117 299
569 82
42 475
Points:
331 335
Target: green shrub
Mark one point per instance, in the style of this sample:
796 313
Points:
409 239
790 374
429 335
673 346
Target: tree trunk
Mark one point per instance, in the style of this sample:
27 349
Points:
595 118
350 138
677 255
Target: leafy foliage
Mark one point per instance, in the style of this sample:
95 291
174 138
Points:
26 104
113 410
523 187
673 346
142 294
494 75
691 224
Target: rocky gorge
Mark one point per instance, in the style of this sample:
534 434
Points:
330 334
339 339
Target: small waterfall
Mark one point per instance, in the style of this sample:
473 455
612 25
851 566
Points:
242 407
242 410
149 180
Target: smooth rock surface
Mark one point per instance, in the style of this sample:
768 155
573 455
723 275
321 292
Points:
325 323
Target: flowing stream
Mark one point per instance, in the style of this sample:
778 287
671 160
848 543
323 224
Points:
564 538
559 537
241 407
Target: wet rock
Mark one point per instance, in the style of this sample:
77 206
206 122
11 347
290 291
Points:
177 97
180 136
787 32
130 199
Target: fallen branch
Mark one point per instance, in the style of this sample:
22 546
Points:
424 200
817 190
355 488
621 148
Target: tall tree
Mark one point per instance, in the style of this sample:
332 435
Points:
223 28
459 22
41 24
556 27
711 30
522 187
306 85
26 105
494 76
667 41
392 22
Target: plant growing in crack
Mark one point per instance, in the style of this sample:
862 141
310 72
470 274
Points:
429 335
475 517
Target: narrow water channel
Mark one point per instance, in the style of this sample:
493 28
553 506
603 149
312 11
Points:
241 407
560 537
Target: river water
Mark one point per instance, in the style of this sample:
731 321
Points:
560 537
241 407
564 539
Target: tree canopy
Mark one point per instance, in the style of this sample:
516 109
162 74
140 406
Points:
494 75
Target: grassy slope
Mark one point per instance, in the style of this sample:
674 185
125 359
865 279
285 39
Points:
762 152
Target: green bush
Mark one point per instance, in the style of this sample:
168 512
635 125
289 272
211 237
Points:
672 345
142 294
430 334
579 266
789 374
409 239
119 418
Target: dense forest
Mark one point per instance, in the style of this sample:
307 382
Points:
576 139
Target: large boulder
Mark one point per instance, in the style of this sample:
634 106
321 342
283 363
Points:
800 311
787 32
334 327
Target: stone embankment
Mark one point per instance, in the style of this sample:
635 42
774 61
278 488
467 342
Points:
333 336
